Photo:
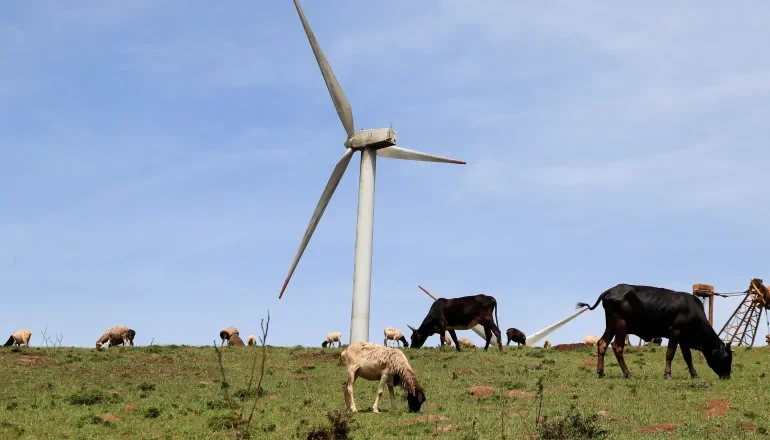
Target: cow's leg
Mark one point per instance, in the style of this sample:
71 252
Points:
487 335
687 355
509 341
499 337
442 335
601 345
454 339
670 352
619 344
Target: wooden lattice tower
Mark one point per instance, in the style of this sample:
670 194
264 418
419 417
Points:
706 293
741 328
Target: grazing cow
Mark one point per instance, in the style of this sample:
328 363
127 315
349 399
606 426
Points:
654 312
516 336
461 313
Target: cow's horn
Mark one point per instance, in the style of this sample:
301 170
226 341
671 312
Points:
412 328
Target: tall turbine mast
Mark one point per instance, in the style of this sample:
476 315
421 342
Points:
371 143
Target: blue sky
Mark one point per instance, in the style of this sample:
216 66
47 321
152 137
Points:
159 161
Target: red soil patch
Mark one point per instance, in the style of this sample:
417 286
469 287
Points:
589 363
466 371
308 367
108 417
272 397
515 394
748 426
715 408
424 419
660 427
319 356
479 392
164 359
303 377
570 347
131 407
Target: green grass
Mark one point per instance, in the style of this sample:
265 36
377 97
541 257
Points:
175 393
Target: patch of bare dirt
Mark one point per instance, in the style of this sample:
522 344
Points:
589 362
131 407
748 426
164 359
466 371
308 367
108 417
272 397
515 394
715 408
318 356
480 392
660 427
303 377
570 347
446 428
28 361
113 392
424 419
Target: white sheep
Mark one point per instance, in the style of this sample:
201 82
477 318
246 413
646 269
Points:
591 339
119 332
252 340
465 342
394 334
19 337
226 332
448 339
119 339
547 343
332 338
386 364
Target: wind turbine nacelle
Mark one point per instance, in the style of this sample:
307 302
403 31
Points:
373 138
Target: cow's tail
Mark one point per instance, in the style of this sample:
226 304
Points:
9 342
582 304
497 323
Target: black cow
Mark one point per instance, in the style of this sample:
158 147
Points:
654 312
516 336
461 313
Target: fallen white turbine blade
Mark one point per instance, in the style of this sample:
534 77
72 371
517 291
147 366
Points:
326 196
403 153
335 90
534 338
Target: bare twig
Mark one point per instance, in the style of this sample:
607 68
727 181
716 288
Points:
225 385
263 340
153 340
59 338
540 401
502 417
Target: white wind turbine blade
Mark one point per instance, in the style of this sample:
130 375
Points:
335 91
534 338
326 196
403 153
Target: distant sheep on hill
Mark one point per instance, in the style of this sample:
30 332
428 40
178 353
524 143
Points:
332 338
226 333
394 334
119 332
465 342
385 364
235 341
590 339
547 343
252 340
18 338
119 340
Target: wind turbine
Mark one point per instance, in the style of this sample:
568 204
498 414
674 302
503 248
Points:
371 143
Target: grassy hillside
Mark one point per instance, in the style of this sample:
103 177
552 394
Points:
175 393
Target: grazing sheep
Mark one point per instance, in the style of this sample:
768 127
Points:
252 340
389 366
394 334
332 338
114 333
447 339
516 336
226 333
547 343
119 340
235 340
465 342
18 338
655 341
591 340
